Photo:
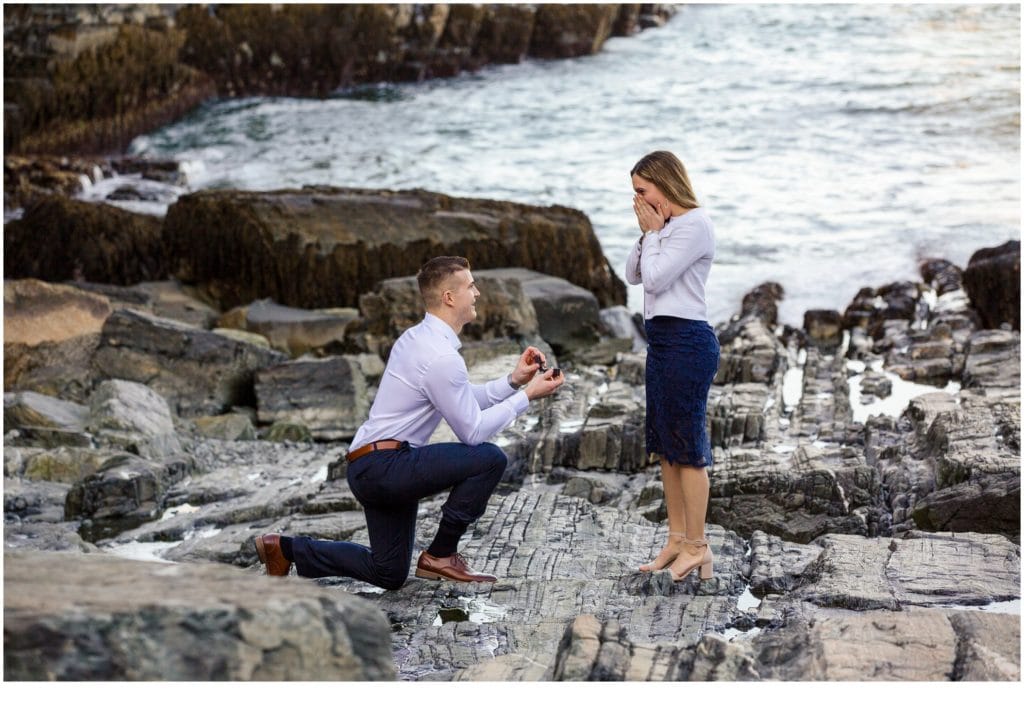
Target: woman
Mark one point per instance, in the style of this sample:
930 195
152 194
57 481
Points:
672 260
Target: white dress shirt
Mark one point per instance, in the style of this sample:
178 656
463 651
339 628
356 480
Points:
673 266
426 379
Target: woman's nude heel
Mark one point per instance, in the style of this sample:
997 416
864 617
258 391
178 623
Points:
705 565
649 567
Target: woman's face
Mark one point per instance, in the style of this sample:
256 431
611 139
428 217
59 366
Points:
649 192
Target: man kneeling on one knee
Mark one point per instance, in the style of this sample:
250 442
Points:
391 466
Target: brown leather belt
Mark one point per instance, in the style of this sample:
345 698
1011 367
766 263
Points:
370 447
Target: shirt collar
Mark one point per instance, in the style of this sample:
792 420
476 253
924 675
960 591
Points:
439 325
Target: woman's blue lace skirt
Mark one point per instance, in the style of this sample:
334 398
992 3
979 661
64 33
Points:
682 359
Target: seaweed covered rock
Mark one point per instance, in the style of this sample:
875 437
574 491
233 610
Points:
321 247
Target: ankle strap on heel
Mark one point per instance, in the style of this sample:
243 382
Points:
699 543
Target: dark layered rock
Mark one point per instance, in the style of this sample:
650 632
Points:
62 239
812 492
198 372
942 275
824 411
737 413
872 307
993 360
95 617
750 352
328 396
819 646
762 302
824 327
987 503
323 247
992 279
950 466
127 490
862 574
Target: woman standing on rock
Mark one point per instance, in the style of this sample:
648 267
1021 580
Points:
672 260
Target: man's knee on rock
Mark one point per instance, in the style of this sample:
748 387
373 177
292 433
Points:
393 580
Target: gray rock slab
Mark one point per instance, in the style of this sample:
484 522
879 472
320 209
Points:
96 617
34 500
32 409
37 535
776 566
326 395
920 569
297 331
814 645
198 372
132 416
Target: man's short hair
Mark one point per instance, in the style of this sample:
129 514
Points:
434 273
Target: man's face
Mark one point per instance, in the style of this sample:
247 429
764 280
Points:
463 291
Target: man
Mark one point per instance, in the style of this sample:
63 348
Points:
391 467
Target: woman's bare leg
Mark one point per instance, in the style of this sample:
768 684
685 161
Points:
670 480
695 490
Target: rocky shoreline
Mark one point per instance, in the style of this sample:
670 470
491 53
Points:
190 382
87 79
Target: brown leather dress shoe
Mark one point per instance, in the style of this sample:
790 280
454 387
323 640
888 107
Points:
268 547
453 568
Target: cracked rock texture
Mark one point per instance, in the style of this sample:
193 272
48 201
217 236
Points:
858 533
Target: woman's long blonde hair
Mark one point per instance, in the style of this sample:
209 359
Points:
669 174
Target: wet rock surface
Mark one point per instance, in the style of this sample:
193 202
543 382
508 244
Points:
864 526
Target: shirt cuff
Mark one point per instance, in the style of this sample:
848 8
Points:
500 388
519 401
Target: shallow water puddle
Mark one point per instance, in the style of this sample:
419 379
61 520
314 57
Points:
896 403
470 609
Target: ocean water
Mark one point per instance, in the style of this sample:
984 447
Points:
835 146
